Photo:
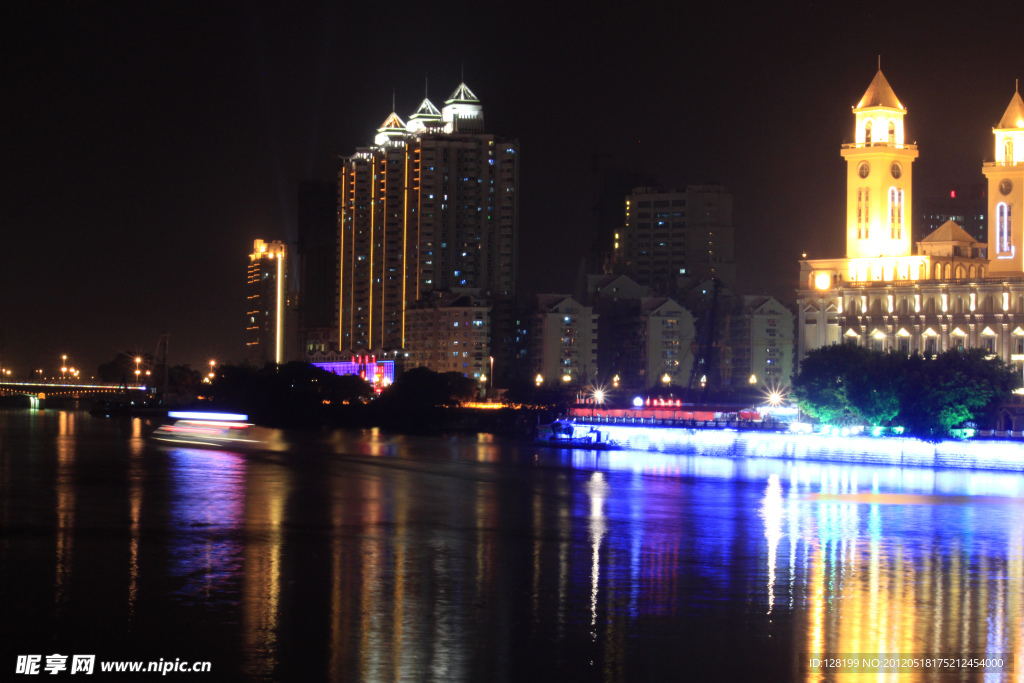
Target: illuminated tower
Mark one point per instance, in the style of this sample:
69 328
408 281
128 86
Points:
266 300
878 178
432 205
1006 192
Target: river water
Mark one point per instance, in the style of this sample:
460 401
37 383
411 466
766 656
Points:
366 557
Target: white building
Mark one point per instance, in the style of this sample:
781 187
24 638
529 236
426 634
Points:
564 340
761 345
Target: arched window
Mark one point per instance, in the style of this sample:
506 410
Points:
860 214
972 273
960 273
867 132
1004 231
923 272
949 271
892 133
981 271
867 212
937 272
959 306
1008 151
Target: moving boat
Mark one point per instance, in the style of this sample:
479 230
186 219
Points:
209 429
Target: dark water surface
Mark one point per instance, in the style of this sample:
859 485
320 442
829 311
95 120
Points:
365 557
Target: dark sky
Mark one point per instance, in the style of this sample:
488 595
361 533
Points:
145 145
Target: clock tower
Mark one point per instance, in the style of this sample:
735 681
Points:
878 179
1006 192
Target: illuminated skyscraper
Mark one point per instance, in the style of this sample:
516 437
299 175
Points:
431 205
267 298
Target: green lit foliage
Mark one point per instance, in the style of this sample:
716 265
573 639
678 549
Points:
927 397
954 387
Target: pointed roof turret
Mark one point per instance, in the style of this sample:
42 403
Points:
392 128
392 121
879 94
462 94
1014 116
427 110
426 117
463 111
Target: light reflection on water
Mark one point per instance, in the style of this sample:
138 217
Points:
412 558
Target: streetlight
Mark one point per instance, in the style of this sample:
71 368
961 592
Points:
539 379
137 370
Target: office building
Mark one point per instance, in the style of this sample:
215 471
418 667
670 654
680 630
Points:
266 303
431 205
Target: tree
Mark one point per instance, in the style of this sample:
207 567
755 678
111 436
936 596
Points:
953 388
820 386
872 387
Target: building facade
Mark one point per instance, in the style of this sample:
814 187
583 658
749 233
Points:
266 303
431 205
953 291
564 341
760 340
672 236
450 332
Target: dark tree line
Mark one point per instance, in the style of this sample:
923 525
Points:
927 397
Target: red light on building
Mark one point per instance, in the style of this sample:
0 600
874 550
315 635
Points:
952 194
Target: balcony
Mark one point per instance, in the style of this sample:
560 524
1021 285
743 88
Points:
880 144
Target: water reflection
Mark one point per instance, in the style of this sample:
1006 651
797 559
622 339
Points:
65 486
208 509
409 558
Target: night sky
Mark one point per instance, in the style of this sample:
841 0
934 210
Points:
146 145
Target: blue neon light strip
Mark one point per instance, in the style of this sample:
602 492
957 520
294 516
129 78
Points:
982 455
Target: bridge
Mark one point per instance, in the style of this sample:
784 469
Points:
68 390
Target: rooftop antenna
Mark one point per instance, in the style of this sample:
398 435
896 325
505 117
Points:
393 99
426 86
879 62
462 71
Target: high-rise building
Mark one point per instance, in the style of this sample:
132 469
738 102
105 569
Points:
266 303
672 236
431 205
